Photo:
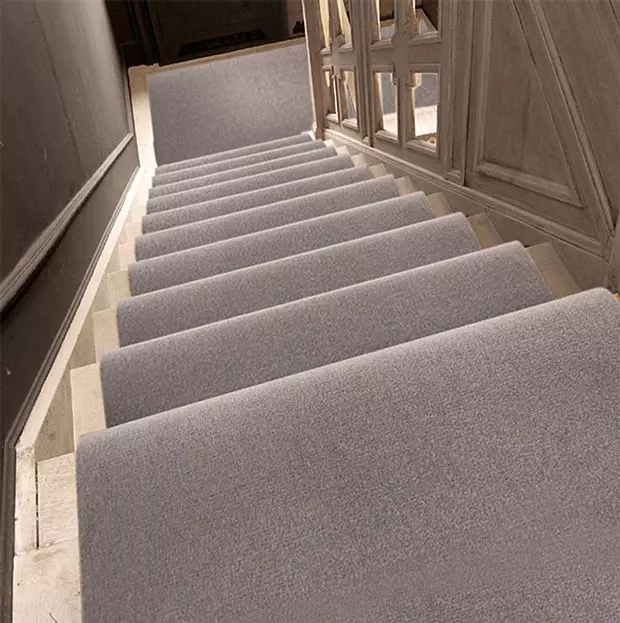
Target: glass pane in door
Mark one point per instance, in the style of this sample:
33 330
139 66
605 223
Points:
387 99
328 91
350 99
424 17
425 106
324 15
384 14
344 13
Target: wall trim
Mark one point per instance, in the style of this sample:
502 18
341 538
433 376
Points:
34 257
9 450
566 234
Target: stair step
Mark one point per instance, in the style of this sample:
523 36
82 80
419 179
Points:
127 254
87 401
237 253
260 168
46 584
106 332
462 435
280 281
405 186
246 184
265 217
485 230
253 199
553 270
235 163
190 366
439 204
272 244
57 500
234 153
131 231
118 286
378 170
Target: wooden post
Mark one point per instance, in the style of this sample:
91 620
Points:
313 47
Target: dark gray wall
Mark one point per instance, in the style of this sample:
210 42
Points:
67 154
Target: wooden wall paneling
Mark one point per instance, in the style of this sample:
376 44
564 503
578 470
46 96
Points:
581 253
515 147
579 47
613 272
38 136
97 115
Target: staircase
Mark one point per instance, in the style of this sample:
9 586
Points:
321 395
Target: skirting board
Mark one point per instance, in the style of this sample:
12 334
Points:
25 494
581 254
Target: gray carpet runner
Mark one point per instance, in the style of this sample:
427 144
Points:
472 475
251 169
259 147
273 283
219 358
330 406
235 163
297 237
373 255
252 199
326 164
265 217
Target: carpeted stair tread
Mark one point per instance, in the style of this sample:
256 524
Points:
194 365
273 283
253 198
246 171
468 476
201 262
234 163
265 217
298 237
230 154
252 182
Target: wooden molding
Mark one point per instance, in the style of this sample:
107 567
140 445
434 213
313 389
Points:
32 260
538 185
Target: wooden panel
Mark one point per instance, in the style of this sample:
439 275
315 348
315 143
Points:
521 145
461 79
517 131
587 36
38 144
90 76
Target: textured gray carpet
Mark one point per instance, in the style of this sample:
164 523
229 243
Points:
271 244
247 350
288 279
253 182
468 476
252 199
225 104
245 171
235 163
265 217
393 248
231 154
